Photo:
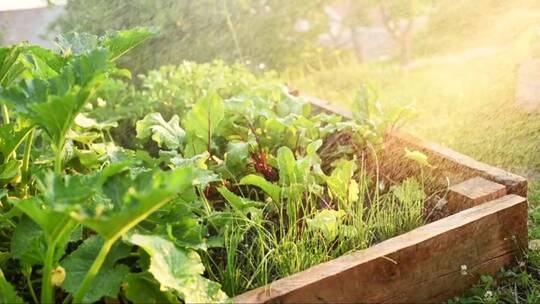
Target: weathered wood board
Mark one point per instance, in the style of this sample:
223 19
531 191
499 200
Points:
473 192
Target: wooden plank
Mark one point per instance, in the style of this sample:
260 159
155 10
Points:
472 192
424 265
457 166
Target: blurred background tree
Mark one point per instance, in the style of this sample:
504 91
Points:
261 33
399 18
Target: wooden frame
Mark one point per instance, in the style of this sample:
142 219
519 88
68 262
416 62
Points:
434 262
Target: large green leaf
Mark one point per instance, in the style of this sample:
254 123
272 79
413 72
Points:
56 116
85 69
10 66
272 190
130 198
287 167
240 204
57 226
54 103
119 43
26 93
180 221
67 192
237 156
59 196
7 292
90 123
28 242
110 276
10 139
292 105
44 63
201 122
73 43
10 171
142 288
196 161
164 133
179 270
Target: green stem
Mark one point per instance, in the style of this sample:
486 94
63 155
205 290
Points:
94 269
6 120
5 114
26 160
58 161
31 287
46 286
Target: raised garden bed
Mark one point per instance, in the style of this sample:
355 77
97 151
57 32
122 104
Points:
487 230
239 184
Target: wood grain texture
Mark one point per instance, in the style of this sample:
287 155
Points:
424 265
472 192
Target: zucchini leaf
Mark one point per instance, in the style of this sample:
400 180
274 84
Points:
168 134
28 242
178 269
54 103
128 198
7 292
10 140
141 288
109 277
117 42
59 196
120 42
10 65
10 172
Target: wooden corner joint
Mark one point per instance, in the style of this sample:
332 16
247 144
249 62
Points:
473 192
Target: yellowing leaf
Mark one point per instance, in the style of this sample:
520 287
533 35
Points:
341 184
164 133
179 270
327 222
418 157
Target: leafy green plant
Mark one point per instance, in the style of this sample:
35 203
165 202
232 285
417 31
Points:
64 83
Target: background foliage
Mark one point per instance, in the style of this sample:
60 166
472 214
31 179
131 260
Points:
253 31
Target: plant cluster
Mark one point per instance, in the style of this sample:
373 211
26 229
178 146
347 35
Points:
235 183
